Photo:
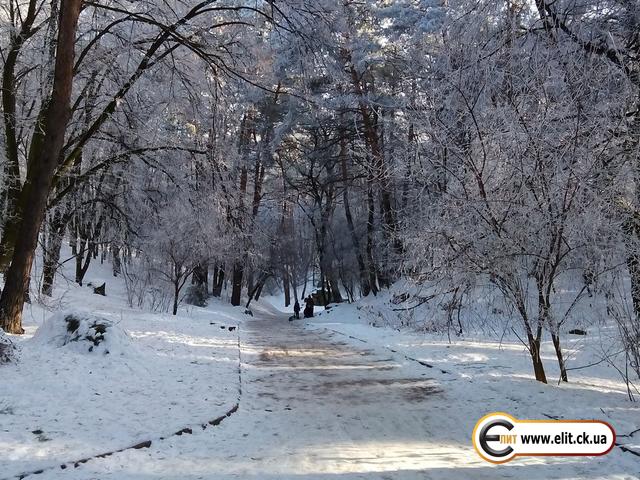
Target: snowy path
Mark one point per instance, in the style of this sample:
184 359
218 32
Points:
314 407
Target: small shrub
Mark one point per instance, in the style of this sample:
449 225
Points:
196 295
8 351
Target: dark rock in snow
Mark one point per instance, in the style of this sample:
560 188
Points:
101 290
577 331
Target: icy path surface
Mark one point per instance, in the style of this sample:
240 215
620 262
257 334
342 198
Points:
314 407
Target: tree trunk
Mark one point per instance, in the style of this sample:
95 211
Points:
200 276
563 368
333 288
87 261
248 278
117 263
259 288
538 367
218 281
236 292
364 280
214 280
12 187
79 257
52 245
373 141
534 344
176 296
294 284
370 230
286 287
50 264
41 167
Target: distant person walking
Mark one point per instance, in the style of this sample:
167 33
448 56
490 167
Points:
308 309
296 309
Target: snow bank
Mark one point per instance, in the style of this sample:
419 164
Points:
83 333
8 350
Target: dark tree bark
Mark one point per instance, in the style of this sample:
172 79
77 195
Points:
79 256
286 287
201 276
41 167
534 341
238 267
561 363
373 141
369 250
236 287
365 285
91 251
218 281
538 367
51 254
117 262
259 288
176 297
11 191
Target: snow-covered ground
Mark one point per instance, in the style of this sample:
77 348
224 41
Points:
63 404
486 376
318 405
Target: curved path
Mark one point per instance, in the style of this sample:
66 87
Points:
315 407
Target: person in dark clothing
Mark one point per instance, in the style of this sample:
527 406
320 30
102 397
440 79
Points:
296 309
308 309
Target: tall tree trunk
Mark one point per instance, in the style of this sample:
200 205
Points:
334 288
286 286
11 191
534 343
369 250
373 141
200 276
236 292
51 254
92 250
538 367
57 226
214 280
259 288
79 258
41 167
238 267
558 348
218 281
116 261
364 280
294 284
248 275
50 264
176 296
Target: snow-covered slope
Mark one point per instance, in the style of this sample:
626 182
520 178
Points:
163 373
